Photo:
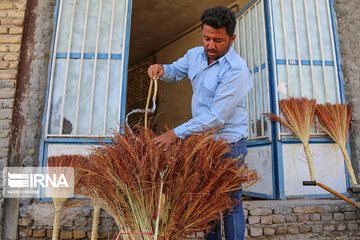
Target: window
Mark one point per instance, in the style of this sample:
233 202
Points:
86 87
290 49
251 46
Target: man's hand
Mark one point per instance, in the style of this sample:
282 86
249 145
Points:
165 139
155 71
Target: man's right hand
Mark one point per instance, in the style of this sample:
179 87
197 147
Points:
155 71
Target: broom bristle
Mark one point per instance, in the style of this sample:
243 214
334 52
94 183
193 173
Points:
298 114
196 174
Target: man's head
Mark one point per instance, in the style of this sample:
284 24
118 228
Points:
218 26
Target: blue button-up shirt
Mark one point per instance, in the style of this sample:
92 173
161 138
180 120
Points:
219 93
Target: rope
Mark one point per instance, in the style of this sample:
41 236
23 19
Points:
146 110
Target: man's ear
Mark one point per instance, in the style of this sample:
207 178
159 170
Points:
232 39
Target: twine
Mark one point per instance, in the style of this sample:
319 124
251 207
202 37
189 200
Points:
146 110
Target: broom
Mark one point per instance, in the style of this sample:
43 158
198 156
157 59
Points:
299 114
60 195
135 173
334 119
299 117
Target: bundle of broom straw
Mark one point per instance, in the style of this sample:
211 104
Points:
162 194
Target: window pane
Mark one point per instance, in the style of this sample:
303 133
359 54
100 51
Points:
92 109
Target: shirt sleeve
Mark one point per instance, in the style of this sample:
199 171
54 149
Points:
232 89
176 71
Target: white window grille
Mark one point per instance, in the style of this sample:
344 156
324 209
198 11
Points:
86 73
250 44
305 58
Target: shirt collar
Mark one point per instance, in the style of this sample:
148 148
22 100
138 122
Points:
222 59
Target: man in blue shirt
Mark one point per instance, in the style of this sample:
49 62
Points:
220 80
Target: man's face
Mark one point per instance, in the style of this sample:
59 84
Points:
216 42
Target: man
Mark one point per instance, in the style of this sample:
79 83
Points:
220 81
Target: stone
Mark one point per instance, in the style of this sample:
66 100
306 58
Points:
316 228
7 93
278 218
7 103
27 232
269 231
260 212
326 217
4 48
11 57
339 216
353 226
293 229
350 215
283 210
79 234
25 221
347 208
12 21
5 6
329 228
49 233
246 212
80 222
335 208
253 219
10 39
16 14
315 217
15 48
303 217
341 227
3 30
255 232
291 218
66 234
266 220
4 65
200 235
280 230
324 209
39 233
305 228
8 74
305 209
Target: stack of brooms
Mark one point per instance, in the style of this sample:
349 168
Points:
157 194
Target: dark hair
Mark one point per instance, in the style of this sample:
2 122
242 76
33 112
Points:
219 17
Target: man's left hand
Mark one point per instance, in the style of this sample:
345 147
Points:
166 139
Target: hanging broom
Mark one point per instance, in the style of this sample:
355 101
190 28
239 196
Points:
334 119
173 193
299 117
60 195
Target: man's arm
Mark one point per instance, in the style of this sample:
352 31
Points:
228 95
170 72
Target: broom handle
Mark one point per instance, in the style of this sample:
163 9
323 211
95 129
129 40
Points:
148 99
158 212
349 166
56 224
309 161
337 194
95 223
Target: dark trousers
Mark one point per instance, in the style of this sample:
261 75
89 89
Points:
234 223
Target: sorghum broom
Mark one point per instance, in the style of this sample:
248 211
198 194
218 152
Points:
334 119
60 195
195 182
299 117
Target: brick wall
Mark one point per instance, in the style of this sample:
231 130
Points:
137 89
12 15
